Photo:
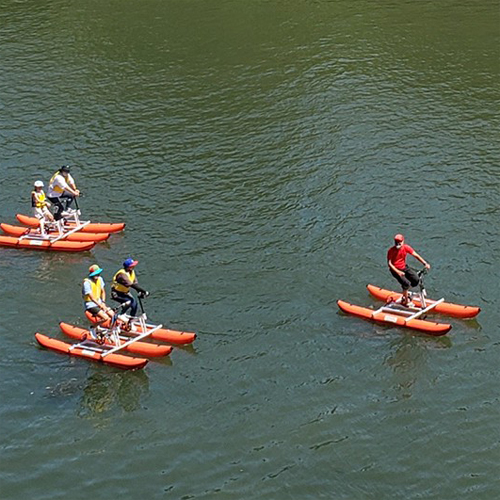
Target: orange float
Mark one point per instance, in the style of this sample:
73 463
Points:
141 348
390 316
92 353
446 308
92 227
19 231
139 326
40 244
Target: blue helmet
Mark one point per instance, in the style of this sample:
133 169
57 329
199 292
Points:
130 263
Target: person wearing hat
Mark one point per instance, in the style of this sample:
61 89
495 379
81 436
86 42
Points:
396 260
40 204
94 295
62 187
123 280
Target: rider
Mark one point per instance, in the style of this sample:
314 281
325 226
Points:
62 187
123 281
94 295
396 260
40 205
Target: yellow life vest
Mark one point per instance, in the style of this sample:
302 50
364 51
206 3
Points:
96 288
37 199
57 189
118 286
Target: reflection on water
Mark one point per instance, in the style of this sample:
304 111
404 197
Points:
408 360
105 390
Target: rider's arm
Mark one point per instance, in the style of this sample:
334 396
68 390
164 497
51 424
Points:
66 186
392 267
87 290
103 293
72 185
122 278
136 286
72 191
421 259
97 301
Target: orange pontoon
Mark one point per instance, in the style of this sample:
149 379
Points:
141 348
19 231
41 244
92 227
92 353
446 308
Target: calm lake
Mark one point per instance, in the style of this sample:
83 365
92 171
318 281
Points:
263 154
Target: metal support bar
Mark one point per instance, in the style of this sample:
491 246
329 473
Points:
122 346
74 230
85 345
396 311
426 309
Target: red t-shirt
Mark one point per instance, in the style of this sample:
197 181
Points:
397 256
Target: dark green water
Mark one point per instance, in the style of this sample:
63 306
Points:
262 154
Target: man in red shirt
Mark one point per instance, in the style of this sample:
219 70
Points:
396 260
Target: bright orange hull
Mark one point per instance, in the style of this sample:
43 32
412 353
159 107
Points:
93 227
428 327
58 246
162 334
117 360
446 308
141 348
78 236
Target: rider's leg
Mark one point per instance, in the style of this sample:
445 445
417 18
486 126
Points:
58 207
405 286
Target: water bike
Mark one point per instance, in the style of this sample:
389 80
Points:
71 220
112 336
393 312
132 326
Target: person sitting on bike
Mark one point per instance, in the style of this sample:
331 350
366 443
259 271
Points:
396 260
94 295
123 281
40 205
62 187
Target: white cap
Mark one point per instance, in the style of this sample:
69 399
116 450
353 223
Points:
38 184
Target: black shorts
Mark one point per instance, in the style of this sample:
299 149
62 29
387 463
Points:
94 310
410 278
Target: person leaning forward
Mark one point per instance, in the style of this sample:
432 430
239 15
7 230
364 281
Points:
62 187
123 280
396 260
